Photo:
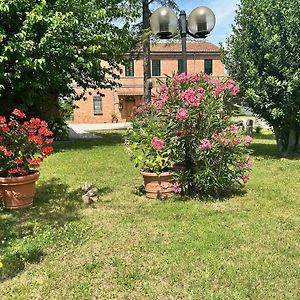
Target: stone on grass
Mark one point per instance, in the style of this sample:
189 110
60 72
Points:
92 192
86 186
94 198
86 199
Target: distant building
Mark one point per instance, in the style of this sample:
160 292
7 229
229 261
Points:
166 58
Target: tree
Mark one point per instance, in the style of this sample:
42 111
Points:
263 55
48 46
146 40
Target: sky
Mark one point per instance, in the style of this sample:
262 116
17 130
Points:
224 11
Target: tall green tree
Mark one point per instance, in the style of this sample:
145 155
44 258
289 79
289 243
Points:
47 47
263 55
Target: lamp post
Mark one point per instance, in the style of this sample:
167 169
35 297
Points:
199 24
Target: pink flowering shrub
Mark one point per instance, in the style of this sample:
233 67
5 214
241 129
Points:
147 142
186 128
212 152
23 144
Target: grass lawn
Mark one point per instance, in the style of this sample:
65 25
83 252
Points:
130 247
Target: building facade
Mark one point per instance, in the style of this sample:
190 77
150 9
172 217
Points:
166 59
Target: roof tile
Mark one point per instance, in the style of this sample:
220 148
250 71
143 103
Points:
191 47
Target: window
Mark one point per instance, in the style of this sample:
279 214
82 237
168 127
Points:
155 67
180 66
208 66
129 68
97 103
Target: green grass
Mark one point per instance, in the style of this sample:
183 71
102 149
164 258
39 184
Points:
130 247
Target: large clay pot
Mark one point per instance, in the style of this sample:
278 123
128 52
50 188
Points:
18 192
158 186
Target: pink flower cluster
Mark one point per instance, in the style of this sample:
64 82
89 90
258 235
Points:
181 114
157 143
229 85
159 102
192 96
205 144
228 137
248 140
192 77
176 187
246 178
248 163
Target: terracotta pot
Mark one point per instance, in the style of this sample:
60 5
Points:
158 186
18 192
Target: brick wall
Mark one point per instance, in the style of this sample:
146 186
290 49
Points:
125 98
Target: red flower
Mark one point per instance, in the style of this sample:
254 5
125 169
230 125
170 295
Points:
18 113
8 153
15 171
44 124
35 121
19 161
44 131
23 144
47 150
34 161
49 141
20 170
5 129
36 139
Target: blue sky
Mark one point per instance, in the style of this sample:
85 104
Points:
224 11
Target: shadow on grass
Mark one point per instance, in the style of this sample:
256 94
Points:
225 195
264 150
54 206
111 138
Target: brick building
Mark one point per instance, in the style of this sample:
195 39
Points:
165 59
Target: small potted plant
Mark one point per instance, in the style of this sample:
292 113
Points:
24 144
151 151
114 118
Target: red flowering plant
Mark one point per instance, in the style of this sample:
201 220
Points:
24 144
147 141
211 152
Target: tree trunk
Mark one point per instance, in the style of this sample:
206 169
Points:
7 104
288 140
298 141
279 141
146 48
292 141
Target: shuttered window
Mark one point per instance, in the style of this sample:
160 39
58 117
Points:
208 65
129 68
155 67
97 103
180 66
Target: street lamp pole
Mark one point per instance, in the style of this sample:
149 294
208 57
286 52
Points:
183 34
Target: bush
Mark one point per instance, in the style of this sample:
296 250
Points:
207 151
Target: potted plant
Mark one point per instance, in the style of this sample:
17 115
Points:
188 129
151 151
24 144
114 118
210 152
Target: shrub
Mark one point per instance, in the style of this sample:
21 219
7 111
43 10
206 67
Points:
147 141
23 145
206 150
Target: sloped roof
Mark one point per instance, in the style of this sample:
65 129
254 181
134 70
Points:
191 47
